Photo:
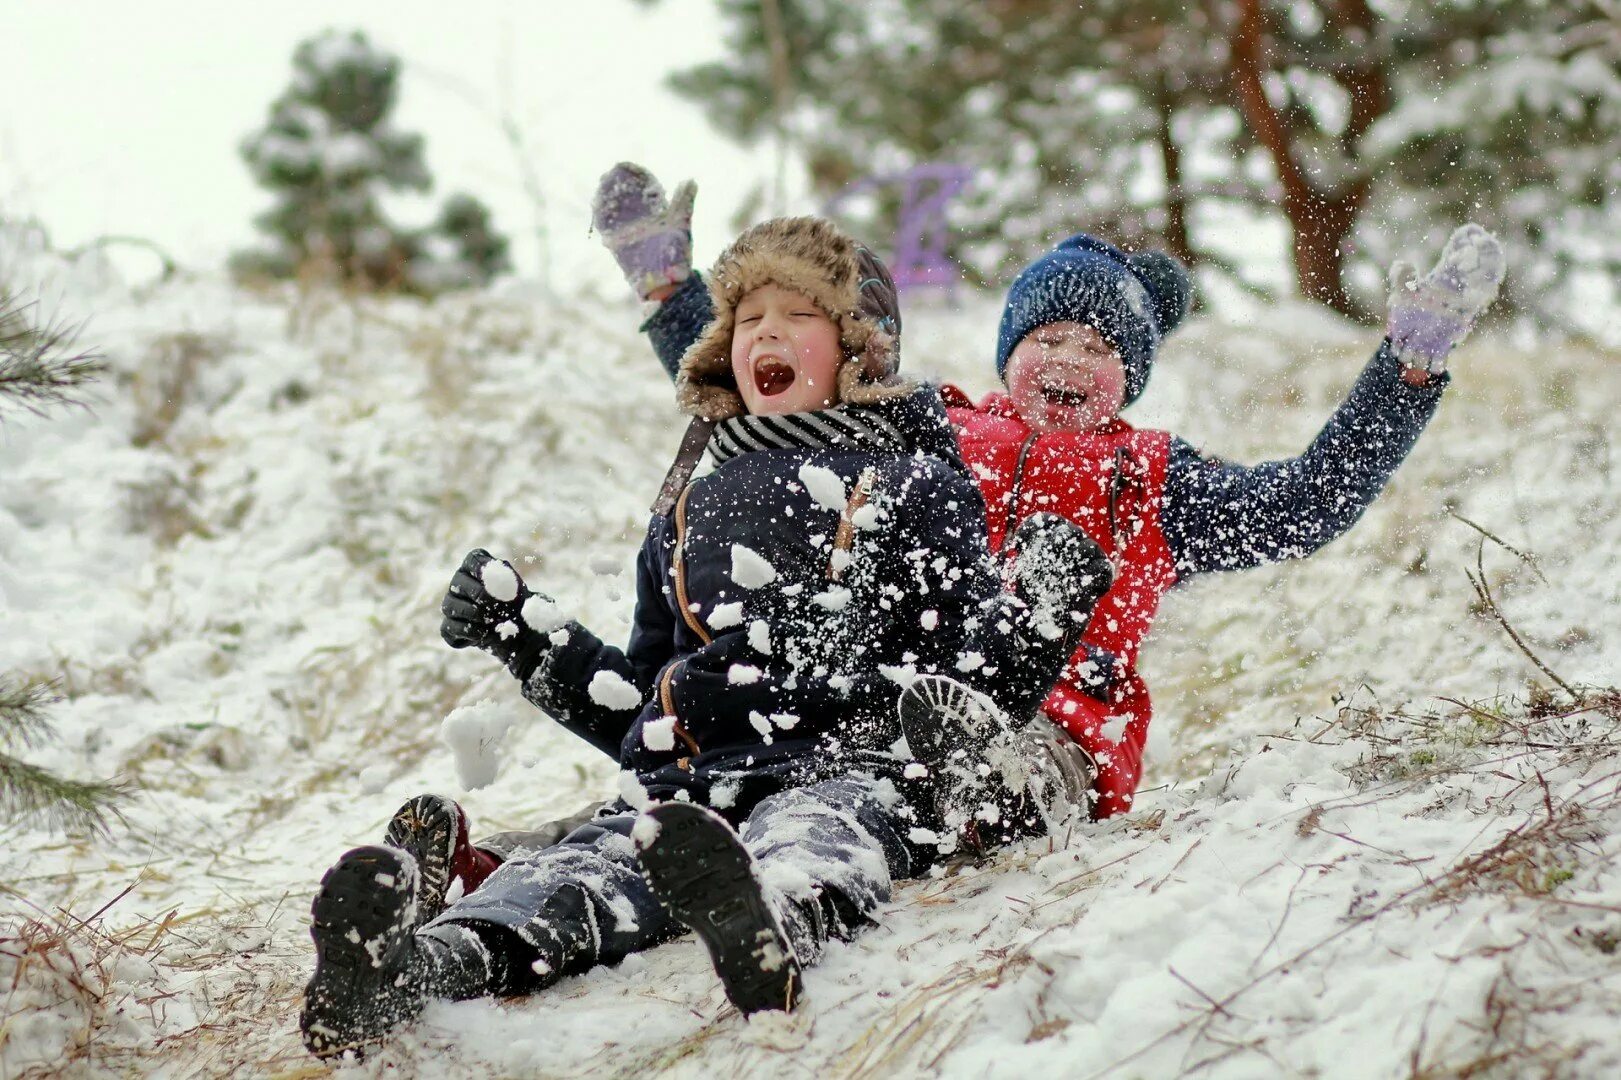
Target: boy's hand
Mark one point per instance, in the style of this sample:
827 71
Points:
1059 571
484 607
650 238
1430 315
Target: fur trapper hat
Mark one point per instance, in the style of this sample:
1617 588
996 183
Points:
807 255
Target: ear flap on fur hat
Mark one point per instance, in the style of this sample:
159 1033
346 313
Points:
846 280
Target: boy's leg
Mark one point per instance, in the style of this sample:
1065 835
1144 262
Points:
811 864
539 916
374 970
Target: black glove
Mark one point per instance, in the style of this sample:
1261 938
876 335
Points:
1059 571
484 607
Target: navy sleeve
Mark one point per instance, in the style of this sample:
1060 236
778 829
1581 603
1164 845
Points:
560 684
1218 516
679 322
978 632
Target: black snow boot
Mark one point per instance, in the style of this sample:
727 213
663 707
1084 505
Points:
433 829
373 971
986 785
700 871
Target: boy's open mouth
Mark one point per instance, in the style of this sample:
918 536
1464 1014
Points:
772 376
1060 395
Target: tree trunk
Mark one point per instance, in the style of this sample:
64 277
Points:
1176 199
1319 219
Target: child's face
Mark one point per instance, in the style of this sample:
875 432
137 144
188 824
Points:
785 352
1065 377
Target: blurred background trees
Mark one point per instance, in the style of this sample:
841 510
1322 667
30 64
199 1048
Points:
1360 124
328 153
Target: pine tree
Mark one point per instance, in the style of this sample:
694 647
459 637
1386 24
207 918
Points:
461 249
39 370
328 153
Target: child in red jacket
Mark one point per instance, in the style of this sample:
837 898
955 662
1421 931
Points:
1076 345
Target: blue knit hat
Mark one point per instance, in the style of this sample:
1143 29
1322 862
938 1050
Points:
1132 300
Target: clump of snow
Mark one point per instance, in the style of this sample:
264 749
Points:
743 674
613 691
725 616
833 598
543 614
659 735
475 734
760 636
824 485
632 791
645 833
500 580
506 629
373 778
750 569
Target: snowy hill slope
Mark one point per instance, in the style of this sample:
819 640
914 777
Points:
234 565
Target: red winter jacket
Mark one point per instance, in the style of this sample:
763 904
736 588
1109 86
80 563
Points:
1110 482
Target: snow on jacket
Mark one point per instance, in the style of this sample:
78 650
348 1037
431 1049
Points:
1162 510
779 603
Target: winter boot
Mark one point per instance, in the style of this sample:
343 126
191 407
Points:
373 972
986 786
698 868
433 829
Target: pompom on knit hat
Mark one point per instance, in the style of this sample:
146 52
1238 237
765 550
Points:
1132 300
846 280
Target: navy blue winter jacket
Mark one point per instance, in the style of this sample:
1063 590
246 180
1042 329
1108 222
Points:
759 657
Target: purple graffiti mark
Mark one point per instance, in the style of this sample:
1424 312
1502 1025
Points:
919 258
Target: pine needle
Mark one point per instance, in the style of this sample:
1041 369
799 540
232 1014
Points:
39 368
22 711
29 794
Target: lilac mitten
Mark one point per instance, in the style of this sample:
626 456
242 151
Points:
1430 315
650 238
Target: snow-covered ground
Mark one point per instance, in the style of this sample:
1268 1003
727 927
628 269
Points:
1366 849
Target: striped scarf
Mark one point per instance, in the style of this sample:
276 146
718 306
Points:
841 427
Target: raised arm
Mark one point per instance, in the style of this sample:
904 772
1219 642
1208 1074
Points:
650 237
1219 516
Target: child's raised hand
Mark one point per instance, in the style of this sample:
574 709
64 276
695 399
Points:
650 237
484 606
1430 315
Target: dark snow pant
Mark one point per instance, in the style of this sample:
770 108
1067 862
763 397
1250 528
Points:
827 855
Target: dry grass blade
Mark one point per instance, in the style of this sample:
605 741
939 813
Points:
1482 590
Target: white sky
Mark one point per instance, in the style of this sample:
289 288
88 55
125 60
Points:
124 118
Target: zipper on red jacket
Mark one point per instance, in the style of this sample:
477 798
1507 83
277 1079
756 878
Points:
1014 492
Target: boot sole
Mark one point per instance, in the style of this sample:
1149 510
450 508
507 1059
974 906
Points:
946 731
360 916
426 827
704 877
